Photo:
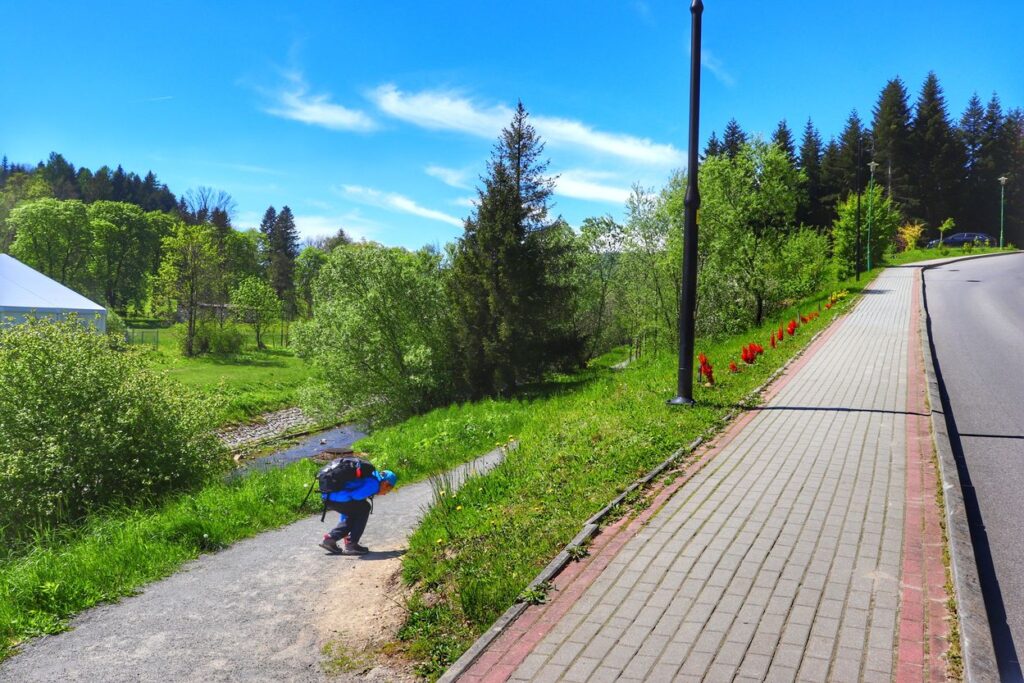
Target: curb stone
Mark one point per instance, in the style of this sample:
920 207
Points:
975 636
592 525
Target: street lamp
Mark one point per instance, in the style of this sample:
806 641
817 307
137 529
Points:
1002 204
871 195
688 290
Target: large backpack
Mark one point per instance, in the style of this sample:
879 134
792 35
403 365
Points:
336 474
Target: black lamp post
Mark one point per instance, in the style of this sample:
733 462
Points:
688 291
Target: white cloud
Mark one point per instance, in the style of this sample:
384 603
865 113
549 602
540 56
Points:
449 176
439 110
396 202
447 110
568 132
296 103
580 184
716 67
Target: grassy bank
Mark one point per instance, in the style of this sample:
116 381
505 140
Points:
915 255
478 549
247 383
115 553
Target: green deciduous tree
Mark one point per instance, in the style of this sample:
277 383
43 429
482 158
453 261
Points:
55 238
255 303
380 336
189 275
884 218
748 207
307 266
125 245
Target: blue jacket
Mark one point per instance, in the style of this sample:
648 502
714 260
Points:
358 489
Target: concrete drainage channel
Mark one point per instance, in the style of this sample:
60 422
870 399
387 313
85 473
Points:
593 524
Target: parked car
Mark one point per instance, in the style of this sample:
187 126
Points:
959 239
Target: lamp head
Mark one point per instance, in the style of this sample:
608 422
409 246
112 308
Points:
1002 180
873 165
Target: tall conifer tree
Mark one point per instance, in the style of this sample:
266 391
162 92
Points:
783 137
890 130
939 155
810 211
733 139
509 308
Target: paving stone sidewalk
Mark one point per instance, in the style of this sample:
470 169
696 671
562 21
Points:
790 555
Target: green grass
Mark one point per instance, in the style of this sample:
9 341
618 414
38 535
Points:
476 550
247 384
921 254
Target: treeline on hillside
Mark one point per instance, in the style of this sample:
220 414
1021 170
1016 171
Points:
129 243
522 294
931 166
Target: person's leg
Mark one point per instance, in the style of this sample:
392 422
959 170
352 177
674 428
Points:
358 514
341 530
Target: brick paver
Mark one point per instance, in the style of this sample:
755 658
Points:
782 557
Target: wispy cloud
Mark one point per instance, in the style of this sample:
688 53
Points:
643 150
449 176
439 110
396 202
162 98
449 110
717 68
580 184
295 102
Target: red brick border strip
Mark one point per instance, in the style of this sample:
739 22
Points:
923 638
500 651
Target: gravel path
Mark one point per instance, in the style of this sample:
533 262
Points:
259 611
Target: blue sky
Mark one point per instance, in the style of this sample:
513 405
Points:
379 116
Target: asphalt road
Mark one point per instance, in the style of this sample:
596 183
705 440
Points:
977 317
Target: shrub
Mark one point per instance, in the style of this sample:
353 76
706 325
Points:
220 340
909 235
115 324
83 425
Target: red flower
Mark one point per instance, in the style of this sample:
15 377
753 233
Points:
804 319
702 359
771 339
791 328
828 305
780 331
733 367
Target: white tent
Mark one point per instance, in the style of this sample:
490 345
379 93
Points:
27 293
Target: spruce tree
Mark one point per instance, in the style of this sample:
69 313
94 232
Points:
833 188
510 309
714 147
890 131
783 137
939 156
810 211
733 139
283 247
854 156
971 133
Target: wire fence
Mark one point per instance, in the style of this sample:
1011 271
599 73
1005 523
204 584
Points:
151 337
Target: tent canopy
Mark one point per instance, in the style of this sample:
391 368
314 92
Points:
25 292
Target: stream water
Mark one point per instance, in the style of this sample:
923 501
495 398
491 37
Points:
338 437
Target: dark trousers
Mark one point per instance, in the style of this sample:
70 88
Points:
354 515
